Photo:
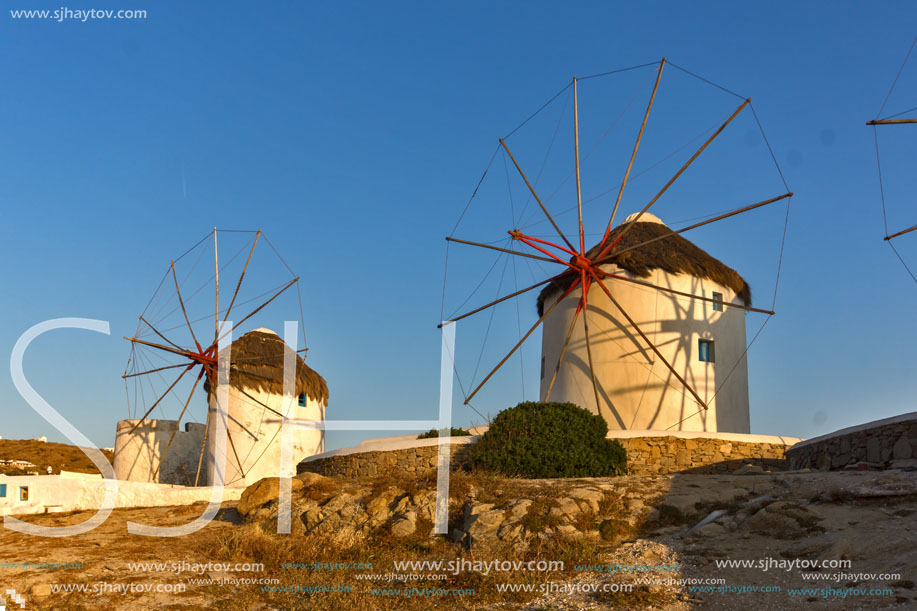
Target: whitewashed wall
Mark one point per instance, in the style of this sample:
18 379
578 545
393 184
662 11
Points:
82 491
637 390
138 454
255 450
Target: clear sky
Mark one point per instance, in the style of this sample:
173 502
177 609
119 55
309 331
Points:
353 134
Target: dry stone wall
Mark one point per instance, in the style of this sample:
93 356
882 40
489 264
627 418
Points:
645 456
884 446
408 461
657 455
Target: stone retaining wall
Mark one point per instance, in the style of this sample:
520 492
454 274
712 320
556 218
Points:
408 461
656 455
645 455
884 444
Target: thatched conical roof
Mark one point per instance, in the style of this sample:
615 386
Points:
673 254
257 363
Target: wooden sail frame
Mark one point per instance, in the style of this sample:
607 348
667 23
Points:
199 358
587 270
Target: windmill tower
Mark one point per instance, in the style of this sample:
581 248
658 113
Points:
256 402
253 401
703 341
643 328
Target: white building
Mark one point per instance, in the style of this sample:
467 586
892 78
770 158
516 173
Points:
30 494
139 452
253 445
256 400
704 342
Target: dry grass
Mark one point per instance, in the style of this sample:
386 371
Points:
44 453
257 542
251 543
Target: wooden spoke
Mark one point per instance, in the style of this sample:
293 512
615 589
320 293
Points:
239 284
595 384
702 223
200 457
683 294
162 457
204 443
143 373
164 338
500 300
530 241
521 341
891 121
236 454
506 250
187 369
895 235
180 351
262 404
563 352
674 178
633 155
652 346
579 193
535 195
262 306
182 303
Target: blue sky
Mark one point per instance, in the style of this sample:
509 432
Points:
353 133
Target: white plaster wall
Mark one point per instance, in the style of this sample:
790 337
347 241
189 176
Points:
80 491
637 390
255 448
138 454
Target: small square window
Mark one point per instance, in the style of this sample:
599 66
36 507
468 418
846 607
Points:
302 400
705 350
23 493
2 490
717 302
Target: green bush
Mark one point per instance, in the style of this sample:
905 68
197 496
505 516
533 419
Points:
547 440
435 433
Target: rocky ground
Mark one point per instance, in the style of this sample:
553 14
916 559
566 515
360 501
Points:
668 528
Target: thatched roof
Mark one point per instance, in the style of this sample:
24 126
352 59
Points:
257 363
673 254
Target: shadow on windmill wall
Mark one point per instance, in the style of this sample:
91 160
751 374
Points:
636 389
137 454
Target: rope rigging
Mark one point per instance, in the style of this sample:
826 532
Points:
889 235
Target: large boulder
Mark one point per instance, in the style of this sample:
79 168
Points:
267 490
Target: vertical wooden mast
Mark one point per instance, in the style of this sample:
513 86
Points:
579 194
216 266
